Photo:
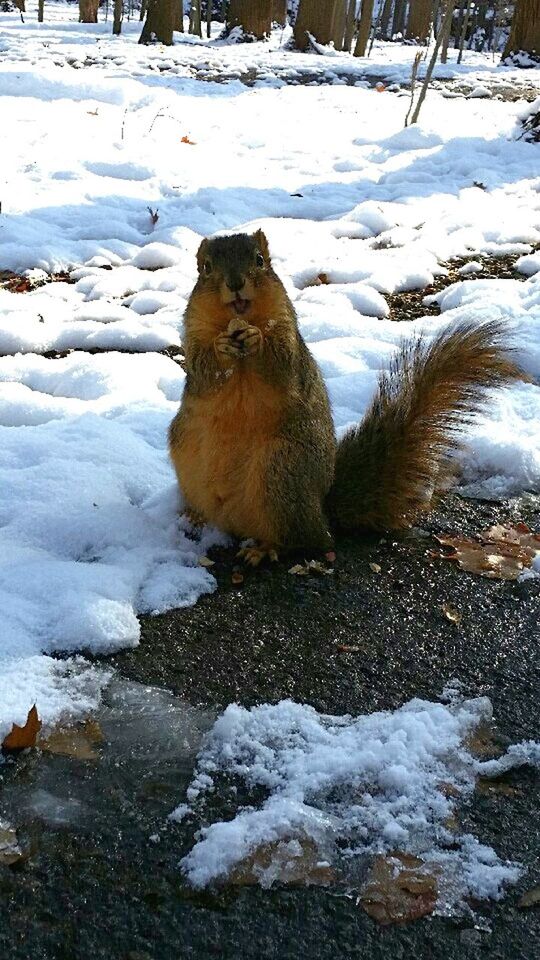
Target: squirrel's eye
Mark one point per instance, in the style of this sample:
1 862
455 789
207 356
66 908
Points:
207 267
259 260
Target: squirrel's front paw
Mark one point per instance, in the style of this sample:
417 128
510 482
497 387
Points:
239 340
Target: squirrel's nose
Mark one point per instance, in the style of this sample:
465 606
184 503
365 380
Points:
235 283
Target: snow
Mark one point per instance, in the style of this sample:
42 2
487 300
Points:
98 182
353 785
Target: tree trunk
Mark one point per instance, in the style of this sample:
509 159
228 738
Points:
178 16
195 18
279 12
88 10
159 22
144 7
419 22
525 32
385 18
463 33
364 26
21 5
254 16
315 17
208 18
41 5
350 26
445 33
398 22
117 18
340 19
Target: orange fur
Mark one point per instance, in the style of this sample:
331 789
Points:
223 458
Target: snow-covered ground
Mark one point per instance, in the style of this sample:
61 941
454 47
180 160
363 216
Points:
352 786
97 179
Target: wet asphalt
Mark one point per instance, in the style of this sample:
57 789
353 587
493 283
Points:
96 886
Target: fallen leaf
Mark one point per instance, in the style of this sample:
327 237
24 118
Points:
10 851
481 742
206 562
451 613
488 786
380 87
310 566
345 648
500 553
531 898
448 789
237 578
22 737
330 556
78 741
187 140
295 861
376 567
399 888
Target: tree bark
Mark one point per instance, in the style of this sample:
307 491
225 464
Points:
195 18
525 31
446 29
340 19
208 18
144 7
443 32
254 16
385 18
315 17
350 26
117 18
419 22
159 22
21 5
88 11
364 26
178 16
279 12
398 21
41 5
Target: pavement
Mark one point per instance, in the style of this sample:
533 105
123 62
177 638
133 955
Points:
101 879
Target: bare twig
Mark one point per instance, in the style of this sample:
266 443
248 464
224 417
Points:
418 57
443 32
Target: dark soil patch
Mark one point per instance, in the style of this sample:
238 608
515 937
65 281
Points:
17 283
409 305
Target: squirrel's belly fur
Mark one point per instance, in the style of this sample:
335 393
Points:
222 453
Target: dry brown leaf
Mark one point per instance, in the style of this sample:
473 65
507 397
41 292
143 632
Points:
376 567
78 741
399 888
187 140
500 552
299 570
206 562
531 898
10 851
237 578
345 648
451 613
488 786
22 737
481 742
310 566
295 861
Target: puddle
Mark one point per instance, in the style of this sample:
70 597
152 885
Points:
150 740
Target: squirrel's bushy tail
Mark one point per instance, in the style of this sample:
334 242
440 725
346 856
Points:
393 464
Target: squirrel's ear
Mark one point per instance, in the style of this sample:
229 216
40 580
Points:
201 255
262 243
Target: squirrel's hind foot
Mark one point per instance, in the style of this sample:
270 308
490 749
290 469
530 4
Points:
255 554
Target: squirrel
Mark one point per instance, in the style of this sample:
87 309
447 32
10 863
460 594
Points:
253 443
